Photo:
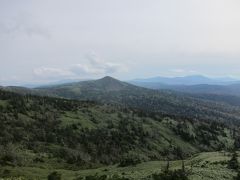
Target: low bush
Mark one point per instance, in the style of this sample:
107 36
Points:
54 176
171 175
130 159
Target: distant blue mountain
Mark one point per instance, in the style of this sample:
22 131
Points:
188 80
193 84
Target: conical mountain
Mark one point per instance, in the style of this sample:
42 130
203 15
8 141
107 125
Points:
90 90
106 83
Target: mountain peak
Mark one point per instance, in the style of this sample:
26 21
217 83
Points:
108 78
109 83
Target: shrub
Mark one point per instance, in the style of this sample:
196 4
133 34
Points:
13 155
104 177
131 159
233 162
54 176
237 177
171 175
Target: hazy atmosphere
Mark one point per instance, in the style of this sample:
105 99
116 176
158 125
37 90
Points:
43 41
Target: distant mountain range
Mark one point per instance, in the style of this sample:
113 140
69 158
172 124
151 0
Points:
192 84
209 87
188 80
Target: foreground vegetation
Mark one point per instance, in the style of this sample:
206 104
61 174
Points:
45 137
207 166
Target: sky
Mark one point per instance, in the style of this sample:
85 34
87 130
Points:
50 40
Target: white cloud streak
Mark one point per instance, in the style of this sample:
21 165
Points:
94 67
48 72
97 66
183 71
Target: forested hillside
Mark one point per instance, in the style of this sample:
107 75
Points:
86 134
124 126
222 108
110 90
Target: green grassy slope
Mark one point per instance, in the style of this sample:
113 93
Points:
207 166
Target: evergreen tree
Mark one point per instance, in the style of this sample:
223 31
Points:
167 167
183 166
233 162
237 177
54 176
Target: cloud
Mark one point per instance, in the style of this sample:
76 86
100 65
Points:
47 72
94 67
183 71
178 70
97 66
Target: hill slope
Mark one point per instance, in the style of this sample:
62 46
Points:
52 133
207 166
110 90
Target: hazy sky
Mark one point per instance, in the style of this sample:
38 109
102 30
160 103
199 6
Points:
49 40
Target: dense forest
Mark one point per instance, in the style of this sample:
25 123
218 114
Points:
84 134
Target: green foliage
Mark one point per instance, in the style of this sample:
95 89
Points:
237 177
130 159
54 176
52 133
65 129
95 177
213 169
105 177
13 155
233 162
171 175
